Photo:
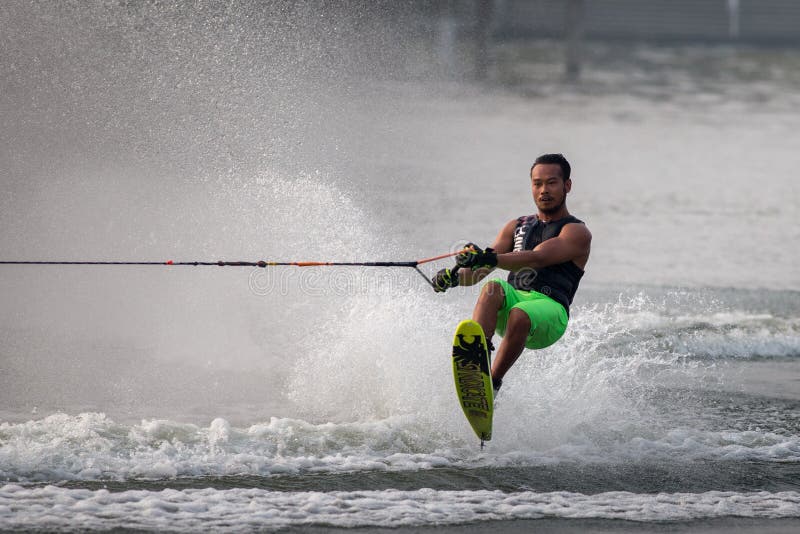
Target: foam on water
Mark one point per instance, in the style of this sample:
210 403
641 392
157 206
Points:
93 447
691 324
385 402
601 375
236 509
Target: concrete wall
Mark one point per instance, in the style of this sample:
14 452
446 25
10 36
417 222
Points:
745 21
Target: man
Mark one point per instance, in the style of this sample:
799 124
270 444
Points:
545 254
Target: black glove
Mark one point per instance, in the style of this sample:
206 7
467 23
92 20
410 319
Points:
444 280
475 258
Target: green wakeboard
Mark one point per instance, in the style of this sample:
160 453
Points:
473 378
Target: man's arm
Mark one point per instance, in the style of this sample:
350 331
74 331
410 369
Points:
504 242
572 244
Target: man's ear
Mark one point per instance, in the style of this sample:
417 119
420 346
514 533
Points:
568 185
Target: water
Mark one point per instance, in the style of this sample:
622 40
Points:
230 399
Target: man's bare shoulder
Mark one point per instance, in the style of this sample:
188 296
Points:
580 238
577 230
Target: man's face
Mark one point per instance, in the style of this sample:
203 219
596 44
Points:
548 187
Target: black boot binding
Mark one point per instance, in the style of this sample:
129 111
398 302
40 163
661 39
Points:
495 383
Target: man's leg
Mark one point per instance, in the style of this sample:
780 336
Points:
518 328
534 323
489 303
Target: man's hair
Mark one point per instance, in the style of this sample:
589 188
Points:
556 159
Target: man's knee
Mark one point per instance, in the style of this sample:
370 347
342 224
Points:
492 293
518 322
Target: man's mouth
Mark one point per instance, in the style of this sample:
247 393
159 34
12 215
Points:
545 199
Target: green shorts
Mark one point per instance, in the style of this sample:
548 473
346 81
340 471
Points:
548 317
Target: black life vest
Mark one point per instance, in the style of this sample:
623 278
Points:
560 281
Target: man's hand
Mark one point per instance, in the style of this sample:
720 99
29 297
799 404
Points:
475 258
444 280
